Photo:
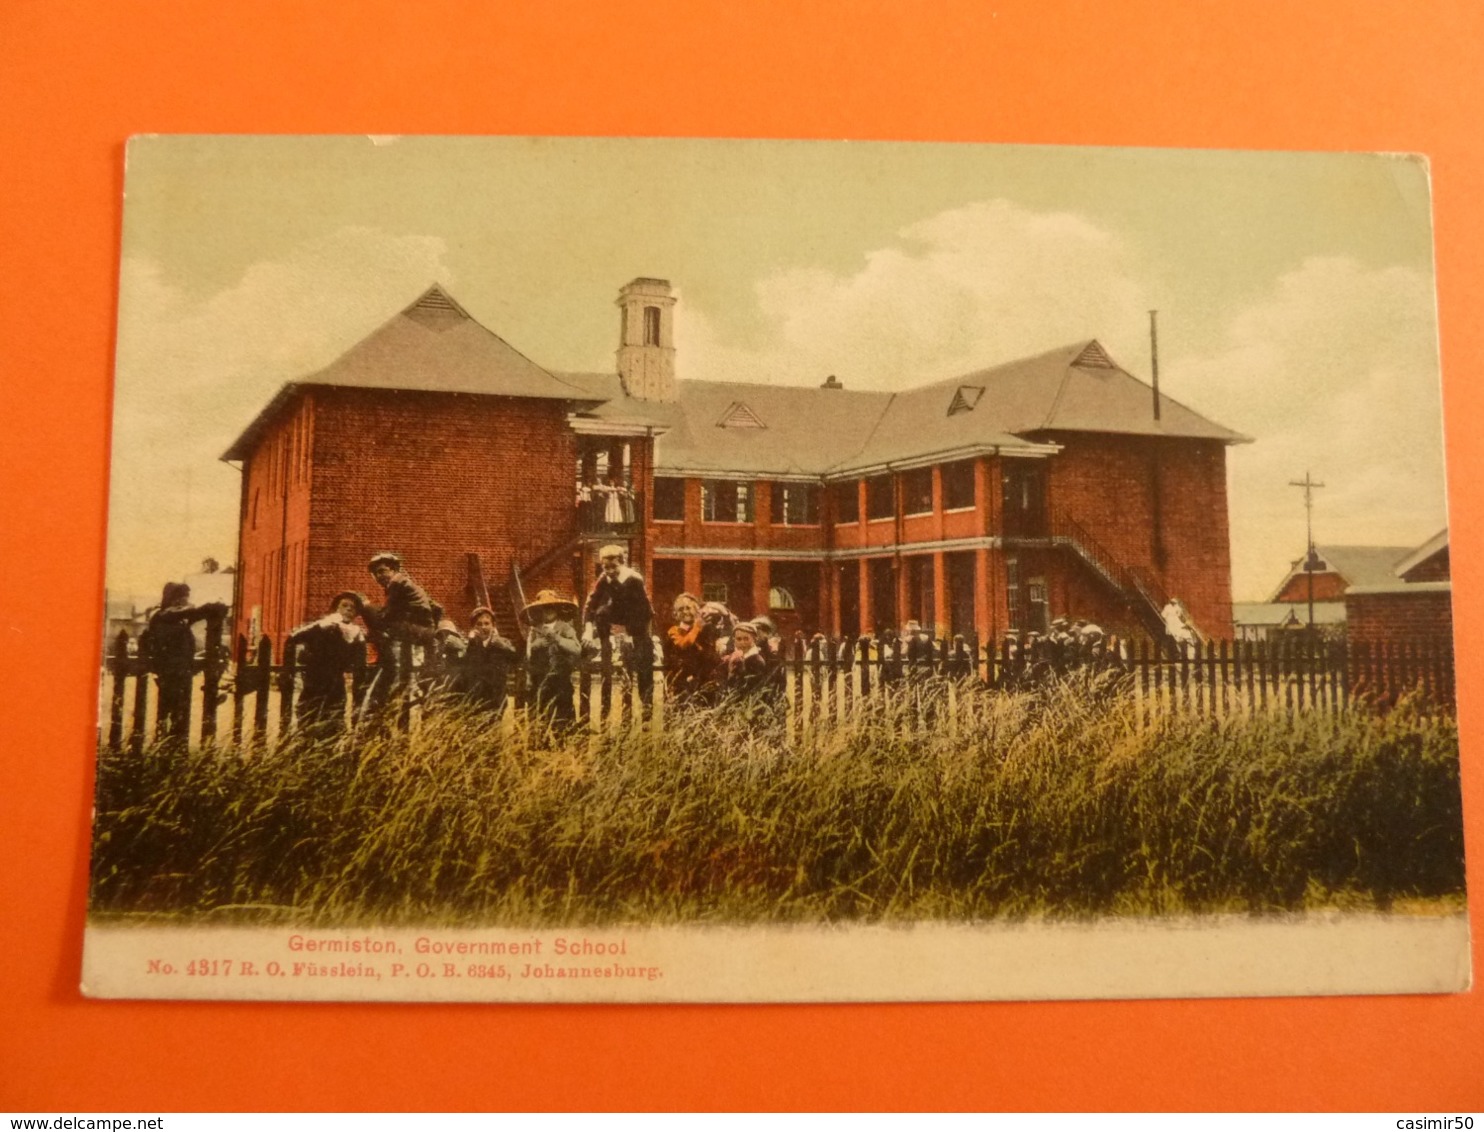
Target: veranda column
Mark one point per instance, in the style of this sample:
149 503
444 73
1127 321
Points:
941 626
762 584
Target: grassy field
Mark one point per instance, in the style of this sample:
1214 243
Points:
1048 804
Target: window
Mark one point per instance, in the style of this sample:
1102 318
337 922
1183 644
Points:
1040 614
669 498
847 502
881 500
1012 591
958 484
714 591
726 501
651 326
780 598
917 491
796 504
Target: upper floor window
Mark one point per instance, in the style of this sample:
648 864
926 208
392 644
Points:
958 484
847 502
917 491
726 501
669 498
881 497
796 504
651 326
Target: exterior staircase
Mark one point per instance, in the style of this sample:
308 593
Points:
1138 588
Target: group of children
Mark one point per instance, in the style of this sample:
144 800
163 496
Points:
712 656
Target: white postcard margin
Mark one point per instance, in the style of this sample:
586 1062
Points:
1316 954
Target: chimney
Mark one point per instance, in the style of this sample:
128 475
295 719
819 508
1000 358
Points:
646 342
832 382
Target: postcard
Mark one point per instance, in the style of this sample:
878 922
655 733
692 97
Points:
578 570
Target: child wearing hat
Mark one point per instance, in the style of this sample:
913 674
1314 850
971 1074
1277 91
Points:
553 653
169 650
327 651
746 667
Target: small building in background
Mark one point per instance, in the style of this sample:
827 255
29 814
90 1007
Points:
1335 570
122 613
1414 605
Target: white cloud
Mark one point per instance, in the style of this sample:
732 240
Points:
192 372
1334 371
966 288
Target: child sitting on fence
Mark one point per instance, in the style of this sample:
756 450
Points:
329 649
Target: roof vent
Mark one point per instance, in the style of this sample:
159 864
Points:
1093 356
739 415
965 399
832 382
435 308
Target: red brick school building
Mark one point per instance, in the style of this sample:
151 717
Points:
1045 486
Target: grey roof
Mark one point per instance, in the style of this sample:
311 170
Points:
1075 388
431 346
813 431
806 431
1400 587
1277 612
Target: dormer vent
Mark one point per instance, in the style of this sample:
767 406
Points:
434 309
1093 356
739 415
964 399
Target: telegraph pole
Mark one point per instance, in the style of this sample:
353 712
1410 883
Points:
1311 559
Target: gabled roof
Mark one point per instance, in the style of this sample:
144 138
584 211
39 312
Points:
1357 565
1438 544
433 345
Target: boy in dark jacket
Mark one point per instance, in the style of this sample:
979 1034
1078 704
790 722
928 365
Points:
408 614
169 649
485 670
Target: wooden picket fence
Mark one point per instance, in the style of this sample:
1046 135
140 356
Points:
250 697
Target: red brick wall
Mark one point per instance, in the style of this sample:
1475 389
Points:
1375 618
433 477
1432 569
273 529
1109 484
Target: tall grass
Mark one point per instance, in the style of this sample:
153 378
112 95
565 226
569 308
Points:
1054 803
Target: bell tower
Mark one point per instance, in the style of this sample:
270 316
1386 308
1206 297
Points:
646 344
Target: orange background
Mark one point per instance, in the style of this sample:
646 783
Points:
77 79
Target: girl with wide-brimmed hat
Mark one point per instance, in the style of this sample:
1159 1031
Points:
553 653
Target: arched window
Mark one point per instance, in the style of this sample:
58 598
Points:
780 598
651 326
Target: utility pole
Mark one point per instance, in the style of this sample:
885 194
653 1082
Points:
1311 559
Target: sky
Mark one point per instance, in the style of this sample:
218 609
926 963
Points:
1295 294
